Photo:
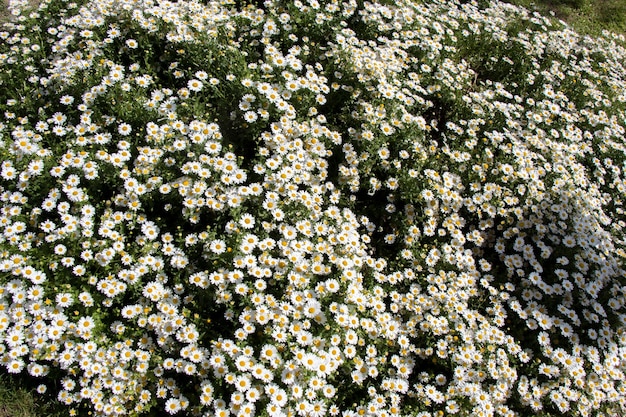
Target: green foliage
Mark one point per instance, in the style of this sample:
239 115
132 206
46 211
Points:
586 16
18 398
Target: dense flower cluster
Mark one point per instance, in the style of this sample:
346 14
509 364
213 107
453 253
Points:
312 208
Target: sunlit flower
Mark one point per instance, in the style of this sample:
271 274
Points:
124 129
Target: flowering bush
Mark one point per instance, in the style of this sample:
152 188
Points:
312 208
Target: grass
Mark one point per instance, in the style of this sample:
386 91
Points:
19 399
3 11
588 17
15 401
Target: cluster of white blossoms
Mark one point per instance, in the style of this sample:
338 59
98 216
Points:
312 208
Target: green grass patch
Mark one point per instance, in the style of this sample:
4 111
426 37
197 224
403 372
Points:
590 17
16 401
19 399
